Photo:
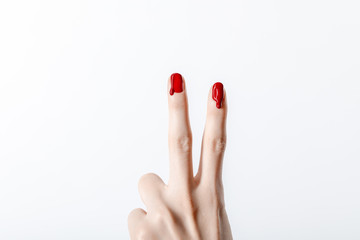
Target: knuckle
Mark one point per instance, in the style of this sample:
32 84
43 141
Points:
135 215
150 187
148 180
218 144
142 182
184 143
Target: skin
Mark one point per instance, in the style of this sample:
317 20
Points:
187 207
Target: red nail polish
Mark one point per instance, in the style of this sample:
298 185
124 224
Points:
218 94
176 83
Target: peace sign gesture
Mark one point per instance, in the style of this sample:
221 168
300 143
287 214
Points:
187 207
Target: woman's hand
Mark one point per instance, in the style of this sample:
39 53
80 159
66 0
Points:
188 207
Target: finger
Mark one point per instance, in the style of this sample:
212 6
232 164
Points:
214 137
180 136
151 187
135 219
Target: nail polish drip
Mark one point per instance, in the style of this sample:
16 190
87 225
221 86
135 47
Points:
218 94
176 83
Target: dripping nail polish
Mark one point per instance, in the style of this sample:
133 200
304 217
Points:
176 83
218 94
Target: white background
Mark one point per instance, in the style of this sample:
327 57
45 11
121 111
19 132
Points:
83 112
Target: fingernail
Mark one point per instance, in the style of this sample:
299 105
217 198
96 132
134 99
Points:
218 94
176 83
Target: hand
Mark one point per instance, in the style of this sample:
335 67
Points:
188 207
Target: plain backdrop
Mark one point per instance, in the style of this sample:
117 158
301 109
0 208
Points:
83 112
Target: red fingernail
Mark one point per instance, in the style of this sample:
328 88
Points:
218 93
176 83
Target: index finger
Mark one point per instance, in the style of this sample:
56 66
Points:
179 135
